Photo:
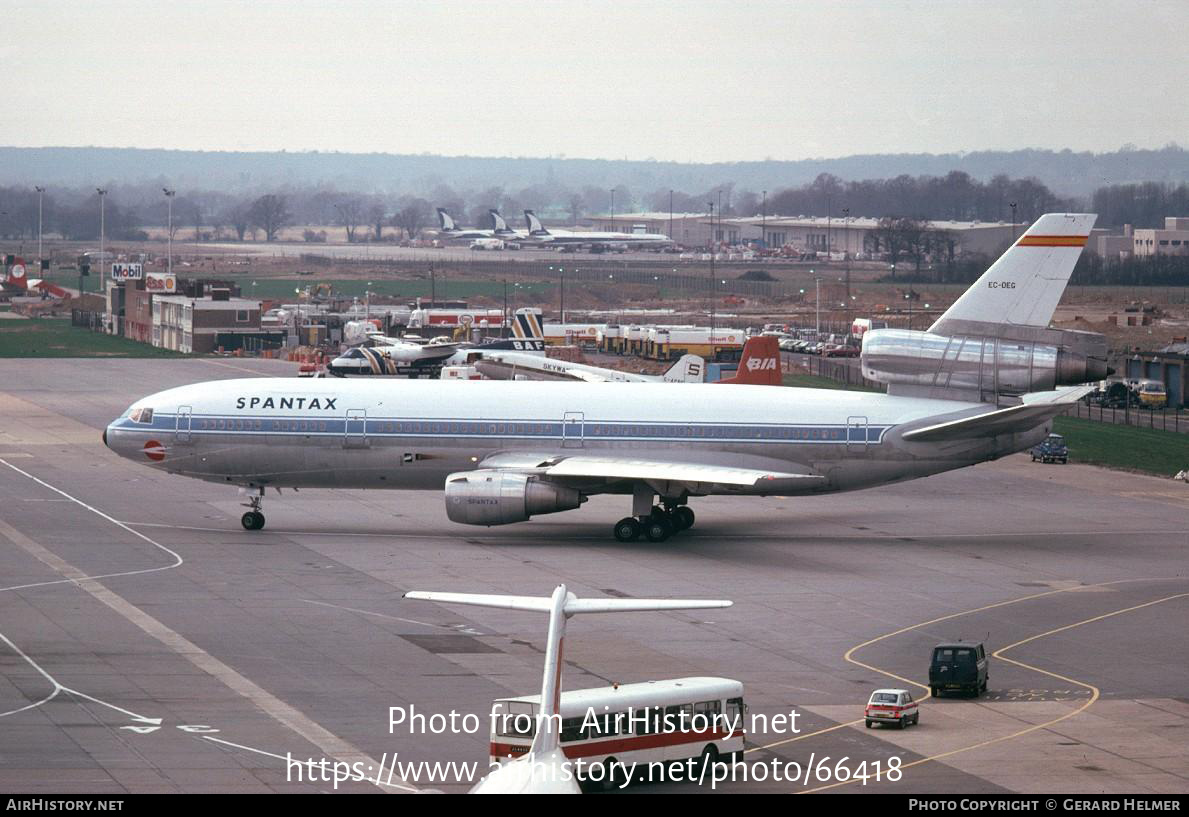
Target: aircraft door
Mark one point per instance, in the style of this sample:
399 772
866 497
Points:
856 435
572 429
182 422
355 430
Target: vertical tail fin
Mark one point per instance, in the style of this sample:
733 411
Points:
535 227
760 364
445 221
497 222
1023 287
526 324
16 274
688 369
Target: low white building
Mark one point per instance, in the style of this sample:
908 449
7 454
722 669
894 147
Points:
1172 240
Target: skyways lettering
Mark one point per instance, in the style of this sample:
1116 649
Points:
320 403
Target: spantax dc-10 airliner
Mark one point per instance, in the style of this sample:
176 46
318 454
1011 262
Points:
982 382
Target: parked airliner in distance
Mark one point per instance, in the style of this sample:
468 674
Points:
537 234
984 381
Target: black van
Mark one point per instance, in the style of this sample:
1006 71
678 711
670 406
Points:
960 666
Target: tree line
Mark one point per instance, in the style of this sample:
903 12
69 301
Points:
908 201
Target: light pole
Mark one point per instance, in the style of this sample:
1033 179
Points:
764 222
846 245
719 212
670 214
817 304
1013 221
40 194
612 209
169 194
102 238
367 296
713 280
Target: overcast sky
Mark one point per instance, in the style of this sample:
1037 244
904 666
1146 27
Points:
687 81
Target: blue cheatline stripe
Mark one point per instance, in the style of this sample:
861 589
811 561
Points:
593 430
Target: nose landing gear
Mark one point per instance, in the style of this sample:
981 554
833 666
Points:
253 519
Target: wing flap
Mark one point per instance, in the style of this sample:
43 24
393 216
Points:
638 469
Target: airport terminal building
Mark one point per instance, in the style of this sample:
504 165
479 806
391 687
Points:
856 237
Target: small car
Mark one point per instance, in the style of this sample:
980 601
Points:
960 666
1052 449
892 706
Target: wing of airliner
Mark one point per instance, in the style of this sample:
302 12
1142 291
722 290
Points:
696 477
1037 407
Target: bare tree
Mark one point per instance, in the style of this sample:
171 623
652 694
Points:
412 217
377 214
576 203
240 220
350 213
270 213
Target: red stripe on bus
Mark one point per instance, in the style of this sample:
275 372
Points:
633 743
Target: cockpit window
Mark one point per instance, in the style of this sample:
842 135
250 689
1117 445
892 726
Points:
354 354
141 415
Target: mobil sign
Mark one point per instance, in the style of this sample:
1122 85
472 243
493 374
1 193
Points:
161 282
127 272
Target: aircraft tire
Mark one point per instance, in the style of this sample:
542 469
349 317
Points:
627 529
252 520
683 518
657 529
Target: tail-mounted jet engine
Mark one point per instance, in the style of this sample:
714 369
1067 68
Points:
922 363
490 497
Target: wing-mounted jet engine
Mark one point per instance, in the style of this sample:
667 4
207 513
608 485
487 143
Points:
493 497
994 342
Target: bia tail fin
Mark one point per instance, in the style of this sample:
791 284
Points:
688 369
1023 287
760 364
560 606
497 222
445 221
535 227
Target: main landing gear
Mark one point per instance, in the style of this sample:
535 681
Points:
253 519
657 525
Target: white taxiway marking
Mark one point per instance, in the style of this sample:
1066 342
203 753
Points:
58 687
41 554
332 745
290 759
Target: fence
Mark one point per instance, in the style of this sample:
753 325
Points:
87 319
836 370
1162 419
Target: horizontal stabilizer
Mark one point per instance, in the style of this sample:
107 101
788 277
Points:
1036 408
573 604
539 604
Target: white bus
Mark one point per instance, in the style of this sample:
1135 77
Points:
656 721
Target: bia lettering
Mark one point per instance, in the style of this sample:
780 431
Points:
321 403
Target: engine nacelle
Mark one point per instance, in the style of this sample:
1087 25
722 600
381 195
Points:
984 365
490 497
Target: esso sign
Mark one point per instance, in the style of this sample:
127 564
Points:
161 283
